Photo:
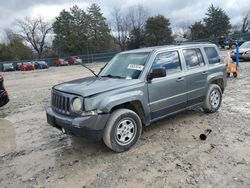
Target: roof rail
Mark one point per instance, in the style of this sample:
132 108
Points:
185 43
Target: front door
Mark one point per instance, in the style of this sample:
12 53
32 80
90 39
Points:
167 94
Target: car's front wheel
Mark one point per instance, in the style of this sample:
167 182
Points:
123 130
213 99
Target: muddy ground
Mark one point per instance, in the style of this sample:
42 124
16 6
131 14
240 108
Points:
169 153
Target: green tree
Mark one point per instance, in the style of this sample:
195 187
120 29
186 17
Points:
14 49
246 23
198 31
80 32
5 53
19 51
63 27
217 22
158 31
136 38
99 36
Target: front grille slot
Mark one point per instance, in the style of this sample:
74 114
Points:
60 102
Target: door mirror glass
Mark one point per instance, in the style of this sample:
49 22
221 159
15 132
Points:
157 73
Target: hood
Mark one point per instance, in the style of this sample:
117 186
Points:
92 85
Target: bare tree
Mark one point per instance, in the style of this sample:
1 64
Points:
130 25
34 31
10 36
121 28
183 30
246 23
138 16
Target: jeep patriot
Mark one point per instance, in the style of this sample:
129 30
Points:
136 88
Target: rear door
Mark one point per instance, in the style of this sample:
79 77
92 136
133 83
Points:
196 75
168 94
213 59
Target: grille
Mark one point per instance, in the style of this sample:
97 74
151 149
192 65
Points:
61 102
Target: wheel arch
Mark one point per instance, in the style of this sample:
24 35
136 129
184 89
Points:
135 106
220 83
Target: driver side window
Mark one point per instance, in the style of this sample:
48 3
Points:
168 60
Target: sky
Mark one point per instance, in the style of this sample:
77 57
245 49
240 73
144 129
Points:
180 12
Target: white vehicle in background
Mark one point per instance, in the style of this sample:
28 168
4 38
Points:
244 52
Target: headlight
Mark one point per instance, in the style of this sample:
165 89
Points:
77 104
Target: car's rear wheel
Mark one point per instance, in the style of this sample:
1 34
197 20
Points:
213 99
123 130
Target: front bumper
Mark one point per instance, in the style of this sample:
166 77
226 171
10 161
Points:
90 127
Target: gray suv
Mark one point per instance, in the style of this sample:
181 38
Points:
136 88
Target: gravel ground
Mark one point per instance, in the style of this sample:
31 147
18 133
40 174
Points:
169 153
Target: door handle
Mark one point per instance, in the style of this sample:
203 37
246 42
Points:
205 72
179 79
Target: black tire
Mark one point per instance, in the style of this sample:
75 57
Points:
233 46
113 139
228 74
235 74
213 99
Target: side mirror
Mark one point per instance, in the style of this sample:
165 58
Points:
157 73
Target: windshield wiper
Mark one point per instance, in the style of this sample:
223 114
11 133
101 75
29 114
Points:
112 76
93 72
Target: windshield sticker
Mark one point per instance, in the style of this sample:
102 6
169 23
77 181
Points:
135 67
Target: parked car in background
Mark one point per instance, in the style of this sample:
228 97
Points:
4 98
18 66
244 52
230 43
41 65
27 66
8 67
61 62
74 60
236 42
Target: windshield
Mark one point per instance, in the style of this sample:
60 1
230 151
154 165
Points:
127 65
245 45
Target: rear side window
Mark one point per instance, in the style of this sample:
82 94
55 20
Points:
193 58
169 60
212 55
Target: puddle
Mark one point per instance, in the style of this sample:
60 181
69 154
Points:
7 137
